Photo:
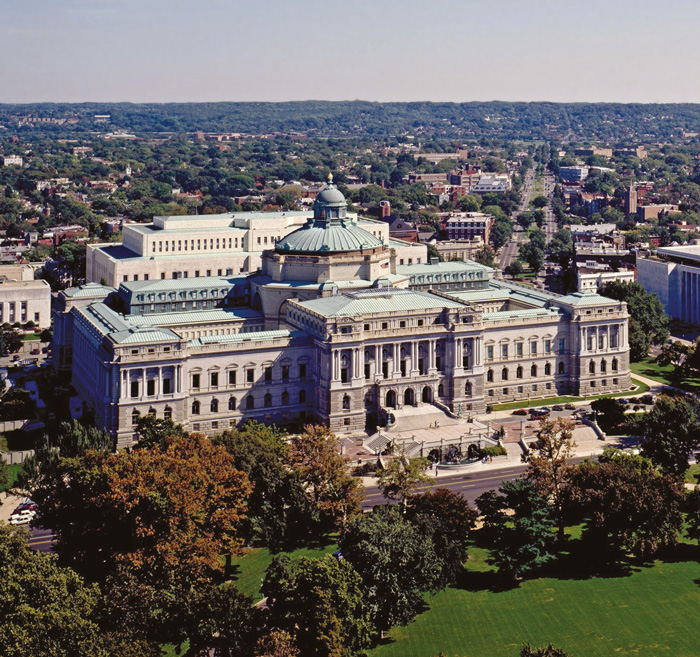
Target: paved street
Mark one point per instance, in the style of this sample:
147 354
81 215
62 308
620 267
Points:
509 252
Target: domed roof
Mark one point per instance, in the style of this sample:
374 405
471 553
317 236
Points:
326 237
330 231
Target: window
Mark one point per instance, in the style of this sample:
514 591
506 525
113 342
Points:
504 374
533 370
285 398
232 377
441 390
489 376
519 372
402 324
346 403
214 379
214 406
302 370
614 364
151 387
267 400
134 388
250 375
548 369
505 391
591 367
366 327
268 374
195 381
603 366
250 402
420 322
385 325
547 346
489 352
519 349
302 396
600 340
168 413
533 348
231 403
195 407
504 350
468 389
561 368
285 372
561 345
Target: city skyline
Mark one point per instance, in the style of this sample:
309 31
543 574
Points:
157 51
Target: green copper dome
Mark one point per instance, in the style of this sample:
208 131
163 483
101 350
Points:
330 231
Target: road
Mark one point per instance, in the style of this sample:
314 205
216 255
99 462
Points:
550 224
41 539
509 251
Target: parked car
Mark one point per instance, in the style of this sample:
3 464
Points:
570 407
647 399
540 412
22 518
26 506
557 407
623 400
520 411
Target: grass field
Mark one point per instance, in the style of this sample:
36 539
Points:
661 374
651 612
548 401
691 476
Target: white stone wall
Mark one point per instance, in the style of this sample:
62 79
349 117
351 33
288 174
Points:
25 301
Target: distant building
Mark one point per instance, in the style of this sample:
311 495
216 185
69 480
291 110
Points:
469 226
647 212
458 249
426 177
593 150
12 160
593 275
573 174
497 182
631 201
23 301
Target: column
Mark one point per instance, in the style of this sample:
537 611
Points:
397 358
377 360
414 357
431 360
159 387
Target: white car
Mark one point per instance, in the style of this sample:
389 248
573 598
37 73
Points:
23 517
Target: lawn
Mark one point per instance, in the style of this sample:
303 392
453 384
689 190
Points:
651 612
548 401
14 471
661 374
692 474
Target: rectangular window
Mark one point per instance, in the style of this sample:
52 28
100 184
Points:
195 381
285 372
250 376
232 377
134 388
547 346
36 318
489 352
268 374
533 348
302 370
385 325
145 277
519 349
151 387
600 341
214 379
162 276
366 327
504 350
167 386
561 345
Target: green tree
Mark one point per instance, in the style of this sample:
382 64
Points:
396 561
154 431
547 464
540 201
400 479
44 609
546 651
522 539
610 412
671 433
514 269
627 505
321 602
533 255
648 323
10 340
501 232
485 256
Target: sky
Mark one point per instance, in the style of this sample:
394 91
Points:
378 50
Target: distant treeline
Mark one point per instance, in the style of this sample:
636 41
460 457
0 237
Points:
610 122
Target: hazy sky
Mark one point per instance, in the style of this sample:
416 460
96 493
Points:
385 50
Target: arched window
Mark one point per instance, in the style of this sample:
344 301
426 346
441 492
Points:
302 396
603 366
441 390
504 374
561 368
346 403
195 407
268 400
519 372
152 411
250 402
231 403
167 413
614 364
285 398
489 376
135 416
214 406
468 389
533 370
591 367
547 369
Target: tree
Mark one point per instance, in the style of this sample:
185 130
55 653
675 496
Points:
540 201
279 510
320 602
154 431
547 651
448 518
673 353
610 411
10 340
4 473
501 232
627 505
397 563
533 255
547 463
277 643
44 609
401 478
514 269
315 457
648 323
671 433
523 540
485 256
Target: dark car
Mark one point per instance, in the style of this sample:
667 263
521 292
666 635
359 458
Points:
558 407
520 411
540 412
